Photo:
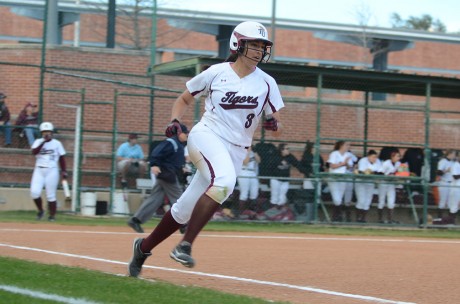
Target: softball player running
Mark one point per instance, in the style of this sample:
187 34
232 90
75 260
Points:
445 179
365 191
237 94
48 153
388 191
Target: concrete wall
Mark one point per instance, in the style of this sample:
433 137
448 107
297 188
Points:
19 199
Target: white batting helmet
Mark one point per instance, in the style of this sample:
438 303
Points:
46 126
245 31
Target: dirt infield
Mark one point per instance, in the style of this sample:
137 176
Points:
298 268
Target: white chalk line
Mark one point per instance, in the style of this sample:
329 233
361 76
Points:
305 238
219 276
43 296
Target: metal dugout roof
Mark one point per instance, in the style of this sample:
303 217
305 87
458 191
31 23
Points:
333 78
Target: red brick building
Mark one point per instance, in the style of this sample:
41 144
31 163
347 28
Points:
20 80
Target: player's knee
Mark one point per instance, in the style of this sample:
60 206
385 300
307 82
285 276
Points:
35 194
222 188
181 216
51 198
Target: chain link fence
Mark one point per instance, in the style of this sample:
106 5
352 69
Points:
320 111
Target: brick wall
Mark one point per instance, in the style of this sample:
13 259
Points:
289 43
21 84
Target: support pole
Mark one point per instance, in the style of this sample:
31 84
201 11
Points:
52 31
76 157
316 161
114 161
273 27
111 16
427 153
79 156
366 122
43 64
153 53
76 31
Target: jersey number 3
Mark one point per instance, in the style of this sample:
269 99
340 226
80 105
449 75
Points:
249 118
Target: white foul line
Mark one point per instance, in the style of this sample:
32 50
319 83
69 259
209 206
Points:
44 296
279 237
260 282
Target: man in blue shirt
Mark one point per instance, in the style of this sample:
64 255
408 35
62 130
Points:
167 162
130 159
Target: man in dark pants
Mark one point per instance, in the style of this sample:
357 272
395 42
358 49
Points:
166 164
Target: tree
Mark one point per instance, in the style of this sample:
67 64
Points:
134 27
424 23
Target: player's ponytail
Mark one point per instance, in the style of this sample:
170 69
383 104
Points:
232 58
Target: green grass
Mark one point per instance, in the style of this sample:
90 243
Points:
100 287
267 227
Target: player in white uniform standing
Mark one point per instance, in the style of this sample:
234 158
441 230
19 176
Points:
237 94
349 189
248 181
48 153
445 179
365 191
339 161
454 194
387 192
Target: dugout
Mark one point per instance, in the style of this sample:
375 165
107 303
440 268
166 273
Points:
405 102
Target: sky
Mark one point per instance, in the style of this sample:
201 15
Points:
376 12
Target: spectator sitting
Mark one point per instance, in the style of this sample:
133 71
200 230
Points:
28 118
5 120
130 158
307 161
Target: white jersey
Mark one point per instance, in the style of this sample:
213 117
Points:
455 170
234 105
251 167
443 165
336 158
364 164
388 168
351 162
48 156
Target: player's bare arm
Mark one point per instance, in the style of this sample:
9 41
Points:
181 104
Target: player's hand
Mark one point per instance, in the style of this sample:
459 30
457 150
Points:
173 128
156 170
64 174
48 137
270 124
